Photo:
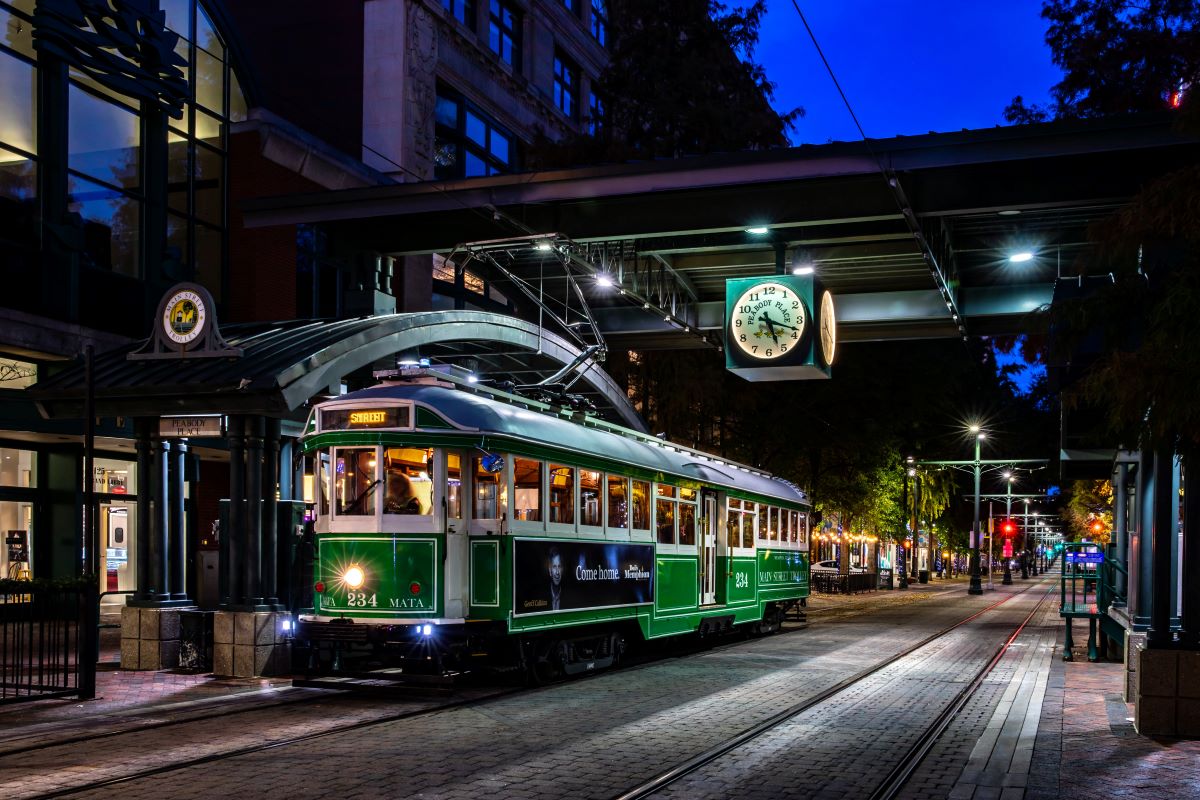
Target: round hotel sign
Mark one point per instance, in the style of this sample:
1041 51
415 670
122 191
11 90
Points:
184 316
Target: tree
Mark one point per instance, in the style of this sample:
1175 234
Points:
681 80
1089 502
1118 57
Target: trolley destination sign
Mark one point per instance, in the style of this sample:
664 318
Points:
1077 557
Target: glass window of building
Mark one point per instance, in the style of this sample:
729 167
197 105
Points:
18 108
571 5
18 468
504 34
596 120
114 476
527 489
618 502
461 10
600 21
16 521
566 84
589 498
562 494
468 143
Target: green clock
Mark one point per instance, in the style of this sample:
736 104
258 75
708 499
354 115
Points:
767 321
773 331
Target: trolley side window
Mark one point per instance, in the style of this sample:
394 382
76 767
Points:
664 512
589 498
454 485
733 521
527 489
641 505
618 502
356 479
407 483
487 487
687 523
562 494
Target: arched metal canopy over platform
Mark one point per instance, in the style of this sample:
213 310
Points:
286 364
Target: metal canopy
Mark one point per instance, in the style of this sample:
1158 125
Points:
676 230
288 363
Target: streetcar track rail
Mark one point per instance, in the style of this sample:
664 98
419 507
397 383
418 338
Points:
667 777
209 758
467 702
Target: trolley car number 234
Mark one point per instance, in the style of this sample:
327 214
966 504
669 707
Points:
360 600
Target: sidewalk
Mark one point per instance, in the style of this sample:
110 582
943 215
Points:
1087 747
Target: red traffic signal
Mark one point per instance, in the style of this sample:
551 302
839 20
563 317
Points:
1008 528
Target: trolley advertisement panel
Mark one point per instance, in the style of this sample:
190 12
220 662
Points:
555 575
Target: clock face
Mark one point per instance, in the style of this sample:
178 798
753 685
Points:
828 328
767 321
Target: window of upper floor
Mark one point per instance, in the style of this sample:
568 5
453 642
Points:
504 32
566 85
467 142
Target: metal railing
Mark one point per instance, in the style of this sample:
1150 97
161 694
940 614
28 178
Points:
47 640
833 583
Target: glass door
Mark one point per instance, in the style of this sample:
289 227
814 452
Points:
708 551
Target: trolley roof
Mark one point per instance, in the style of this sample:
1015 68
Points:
529 421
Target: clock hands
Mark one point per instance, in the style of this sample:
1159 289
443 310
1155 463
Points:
771 322
770 327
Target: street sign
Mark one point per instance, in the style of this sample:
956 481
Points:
1076 557
191 426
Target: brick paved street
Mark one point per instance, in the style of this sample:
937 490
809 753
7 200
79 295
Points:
600 736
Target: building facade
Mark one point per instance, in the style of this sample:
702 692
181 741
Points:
123 169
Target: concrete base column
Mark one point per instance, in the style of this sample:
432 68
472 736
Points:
149 638
1168 698
1134 642
250 644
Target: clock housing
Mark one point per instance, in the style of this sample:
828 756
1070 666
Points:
772 328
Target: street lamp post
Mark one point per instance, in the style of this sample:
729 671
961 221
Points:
902 556
976 587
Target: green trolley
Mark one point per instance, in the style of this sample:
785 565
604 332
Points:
459 526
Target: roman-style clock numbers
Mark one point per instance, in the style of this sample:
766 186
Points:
767 321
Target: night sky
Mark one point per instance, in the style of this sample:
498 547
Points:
907 66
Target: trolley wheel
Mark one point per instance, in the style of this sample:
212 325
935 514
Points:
545 661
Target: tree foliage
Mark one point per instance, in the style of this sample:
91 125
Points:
681 80
1117 56
1087 502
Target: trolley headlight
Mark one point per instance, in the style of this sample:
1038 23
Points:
354 577
426 630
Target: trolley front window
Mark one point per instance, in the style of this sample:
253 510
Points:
618 502
408 487
641 505
355 481
454 485
589 498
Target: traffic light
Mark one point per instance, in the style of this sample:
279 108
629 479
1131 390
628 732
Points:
1008 528
1097 527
